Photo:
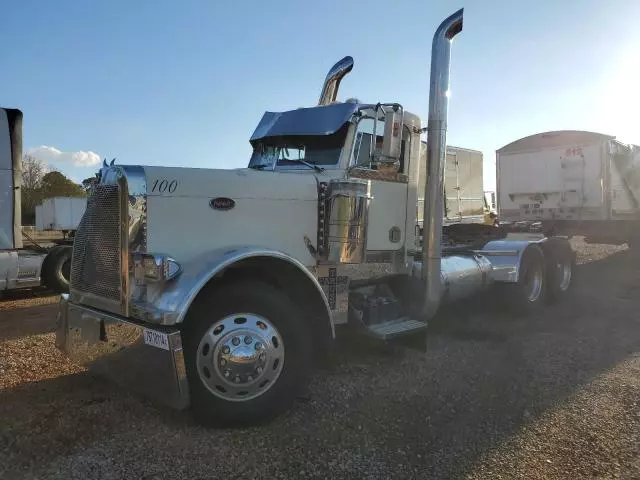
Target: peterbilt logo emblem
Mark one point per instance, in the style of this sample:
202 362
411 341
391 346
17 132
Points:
222 203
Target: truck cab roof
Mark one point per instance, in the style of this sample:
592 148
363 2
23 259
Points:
312 121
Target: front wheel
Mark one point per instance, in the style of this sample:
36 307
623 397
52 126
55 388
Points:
247 353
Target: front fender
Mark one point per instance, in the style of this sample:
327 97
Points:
174 298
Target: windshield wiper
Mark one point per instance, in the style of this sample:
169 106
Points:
308 164
257 167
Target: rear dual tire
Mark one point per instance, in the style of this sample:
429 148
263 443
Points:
527 295
560 262
545 276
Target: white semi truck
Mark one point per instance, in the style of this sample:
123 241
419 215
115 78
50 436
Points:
218 289
23 267
571 183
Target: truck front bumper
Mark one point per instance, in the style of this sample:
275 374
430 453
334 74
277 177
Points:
146 360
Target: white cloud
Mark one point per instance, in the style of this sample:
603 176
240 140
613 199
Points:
53 155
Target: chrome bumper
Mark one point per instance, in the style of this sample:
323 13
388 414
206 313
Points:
146 360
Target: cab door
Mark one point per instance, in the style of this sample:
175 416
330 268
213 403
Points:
386 229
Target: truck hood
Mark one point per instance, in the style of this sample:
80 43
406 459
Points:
192 210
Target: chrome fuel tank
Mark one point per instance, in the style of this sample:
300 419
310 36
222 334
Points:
461 276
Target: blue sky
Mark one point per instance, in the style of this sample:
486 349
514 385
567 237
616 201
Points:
185 83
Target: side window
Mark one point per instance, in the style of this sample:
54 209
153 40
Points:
364 136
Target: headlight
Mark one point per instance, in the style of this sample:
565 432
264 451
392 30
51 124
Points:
153 268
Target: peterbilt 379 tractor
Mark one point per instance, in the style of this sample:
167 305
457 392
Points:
218 290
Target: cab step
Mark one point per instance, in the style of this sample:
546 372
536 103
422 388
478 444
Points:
396 328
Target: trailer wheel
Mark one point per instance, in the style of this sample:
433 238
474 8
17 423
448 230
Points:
560 264
56 269
527 294
247 354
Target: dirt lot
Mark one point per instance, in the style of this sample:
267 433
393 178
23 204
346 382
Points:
551 396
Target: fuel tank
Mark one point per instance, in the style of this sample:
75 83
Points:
461 275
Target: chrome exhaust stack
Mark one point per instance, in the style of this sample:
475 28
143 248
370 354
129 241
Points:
436 154
329 91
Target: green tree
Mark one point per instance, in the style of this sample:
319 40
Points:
40 183
55 184
88 183
33 170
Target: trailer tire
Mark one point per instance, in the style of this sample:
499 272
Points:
247 352
560 260
56 269
527 295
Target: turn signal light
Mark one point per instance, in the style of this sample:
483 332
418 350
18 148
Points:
154 268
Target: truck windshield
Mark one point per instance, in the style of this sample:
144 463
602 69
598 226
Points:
315 150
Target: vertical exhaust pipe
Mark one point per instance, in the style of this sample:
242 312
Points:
436 155
329 91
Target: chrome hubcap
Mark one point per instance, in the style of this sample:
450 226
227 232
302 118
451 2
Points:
533 283
240 357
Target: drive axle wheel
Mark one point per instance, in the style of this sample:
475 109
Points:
247 353
527 294
560 263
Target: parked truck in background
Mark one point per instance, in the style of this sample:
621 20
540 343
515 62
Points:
571 183
490 209
35 265
464 200
60 214
218 289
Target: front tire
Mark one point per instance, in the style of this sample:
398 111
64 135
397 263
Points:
247 354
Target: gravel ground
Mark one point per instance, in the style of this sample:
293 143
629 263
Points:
551 396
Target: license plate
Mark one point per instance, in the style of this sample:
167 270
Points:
156 339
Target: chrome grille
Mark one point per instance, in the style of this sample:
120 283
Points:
96 261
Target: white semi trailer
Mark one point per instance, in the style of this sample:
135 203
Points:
217 289
571 183
23 267
464 200
61 214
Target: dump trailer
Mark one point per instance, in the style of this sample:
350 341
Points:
571 183
23 267
218 289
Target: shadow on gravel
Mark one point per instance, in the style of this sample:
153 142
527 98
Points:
25 294
490 374
375 412
49 418
27 321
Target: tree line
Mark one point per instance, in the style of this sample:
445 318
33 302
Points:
40 182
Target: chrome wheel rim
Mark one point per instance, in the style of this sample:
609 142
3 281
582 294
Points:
533 283
564 273
240 357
